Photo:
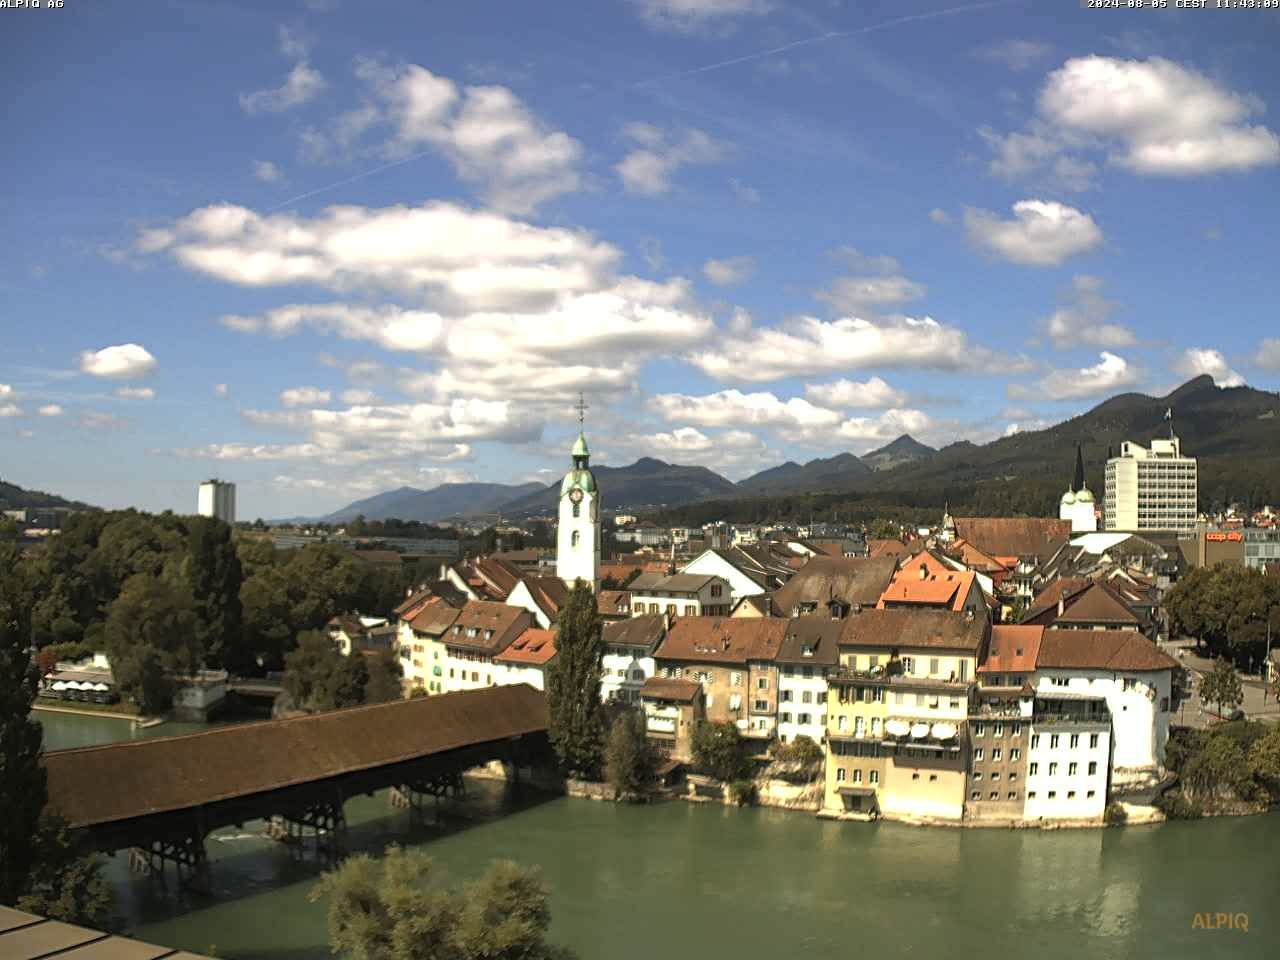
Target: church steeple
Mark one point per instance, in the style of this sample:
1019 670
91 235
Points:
1077 481
578 537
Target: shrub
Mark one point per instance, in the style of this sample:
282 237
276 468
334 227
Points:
1115 814
1175 805
744 792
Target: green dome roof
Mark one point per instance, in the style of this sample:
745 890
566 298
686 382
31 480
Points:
580 446
578 477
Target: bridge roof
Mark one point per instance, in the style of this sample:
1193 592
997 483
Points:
120 781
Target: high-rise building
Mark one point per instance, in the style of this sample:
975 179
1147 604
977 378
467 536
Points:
217 498
1151 489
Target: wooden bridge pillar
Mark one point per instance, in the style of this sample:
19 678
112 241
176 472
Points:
413 795
186 852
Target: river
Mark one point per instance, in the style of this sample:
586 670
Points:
677 880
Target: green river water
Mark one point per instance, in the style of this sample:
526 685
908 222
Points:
676 880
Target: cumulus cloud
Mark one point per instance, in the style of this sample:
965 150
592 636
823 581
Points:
1268 356
302 84
126 361
50 410
266 171
135 393
10 410
870 294
734 408
390 327
807 346
733 453
359 397
730 271
658 155
304 396
940 216
1197 361
220 390
1150 116
1109 374
888 426
846 394
689 15
1042 233
1081 321
6 390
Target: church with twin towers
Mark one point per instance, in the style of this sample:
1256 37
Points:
578 536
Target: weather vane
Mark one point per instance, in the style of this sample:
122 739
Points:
581 407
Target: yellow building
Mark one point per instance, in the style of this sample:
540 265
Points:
896 717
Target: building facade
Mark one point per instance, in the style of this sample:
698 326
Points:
578 530
628 659
680 595
217 498
808 656
1152 488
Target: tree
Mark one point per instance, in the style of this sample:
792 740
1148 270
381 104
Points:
1226 608
1220 769
22 778
802 750
573 686
317 677
385 674
151 637
213 573
718 750
64 885
628 762
397 908
1222 686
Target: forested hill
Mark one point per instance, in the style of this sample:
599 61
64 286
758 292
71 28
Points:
14 497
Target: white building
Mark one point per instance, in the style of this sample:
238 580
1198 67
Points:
628 656
526 659
809 653
680 595
715 563
1077 504
578 532
1151 489
217 498
1067 757
481 631
1126 672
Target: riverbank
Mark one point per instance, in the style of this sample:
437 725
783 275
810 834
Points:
87 710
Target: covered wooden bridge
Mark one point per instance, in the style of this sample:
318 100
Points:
164 795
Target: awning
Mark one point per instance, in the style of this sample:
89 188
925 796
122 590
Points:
58 685
944 731
897 728
856 791
101 687
919 731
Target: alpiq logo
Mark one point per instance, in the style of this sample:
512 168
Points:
1220 921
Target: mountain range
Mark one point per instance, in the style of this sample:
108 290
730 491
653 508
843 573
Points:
1234 431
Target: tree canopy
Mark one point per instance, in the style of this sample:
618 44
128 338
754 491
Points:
573 686
628 762
1227 608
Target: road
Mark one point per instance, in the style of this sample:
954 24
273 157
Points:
1259 703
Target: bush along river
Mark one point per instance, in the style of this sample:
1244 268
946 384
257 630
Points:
698 880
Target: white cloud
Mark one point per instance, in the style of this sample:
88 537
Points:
266 171
459 259
390 327
6 390
135 393
859 295
125 361
940 216
487 133
744 192
1081 322
1042 232
658 156
689 15
808 346
50 410
844 394
888 426
1109 374
304 396
1163 118
730 271
1197 361
302 84
734 408
359 397
10 410
733 453
97 420
1151 116
1268 356
1016 54
220 390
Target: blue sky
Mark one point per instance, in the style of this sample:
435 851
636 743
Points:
333 248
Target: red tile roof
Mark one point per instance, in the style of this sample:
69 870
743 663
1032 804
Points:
1101 650
722 640
1013 649
907 627
1014 536
939 586
533 648
495 626
661 688
847 579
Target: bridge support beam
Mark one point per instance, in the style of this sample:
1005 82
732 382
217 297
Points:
413 795
185 852
324 821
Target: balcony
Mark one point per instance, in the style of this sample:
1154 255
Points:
1053 708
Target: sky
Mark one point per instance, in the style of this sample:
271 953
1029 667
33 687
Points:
323 248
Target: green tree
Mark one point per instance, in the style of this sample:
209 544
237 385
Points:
1220 770
1226 608
1221 686
397 908
1264 758
573 686
213 572
802 750
385 675
317 677
22 778
151 637
719 750
64 885
628 761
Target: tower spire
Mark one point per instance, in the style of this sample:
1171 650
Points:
1077 481
581 407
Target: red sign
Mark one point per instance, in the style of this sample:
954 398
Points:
1217 537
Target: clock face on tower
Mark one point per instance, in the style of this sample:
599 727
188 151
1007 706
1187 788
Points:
575 495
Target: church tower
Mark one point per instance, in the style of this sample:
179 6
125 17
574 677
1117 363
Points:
1077 504
578 532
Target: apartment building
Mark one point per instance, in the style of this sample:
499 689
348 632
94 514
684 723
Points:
809 653
1000 718
672 708
1153 488
680 595
527 659
481 631
420 630
628 659
1067 757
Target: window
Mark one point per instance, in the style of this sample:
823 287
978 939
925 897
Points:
875 727
762 704
1033 769
915 776
1013 795
784 717
908 665
859 726
1053 794
577 512
1031 794
977 754
977 775
857 776
979 729
873 776
1072 769
784 696
994 795
1053 769
1164 704
1059 681
715 590
822 695
1035 741
840 721
1093 741
1090 794
1071 794
955 703
1013 774
1053 741
995 754
1075 741
934 666
806 696
1093 768
998 730
762 683
1130 683
974 795
995 774
806 718
1017 730
735 679
839 773
638 607
576 536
